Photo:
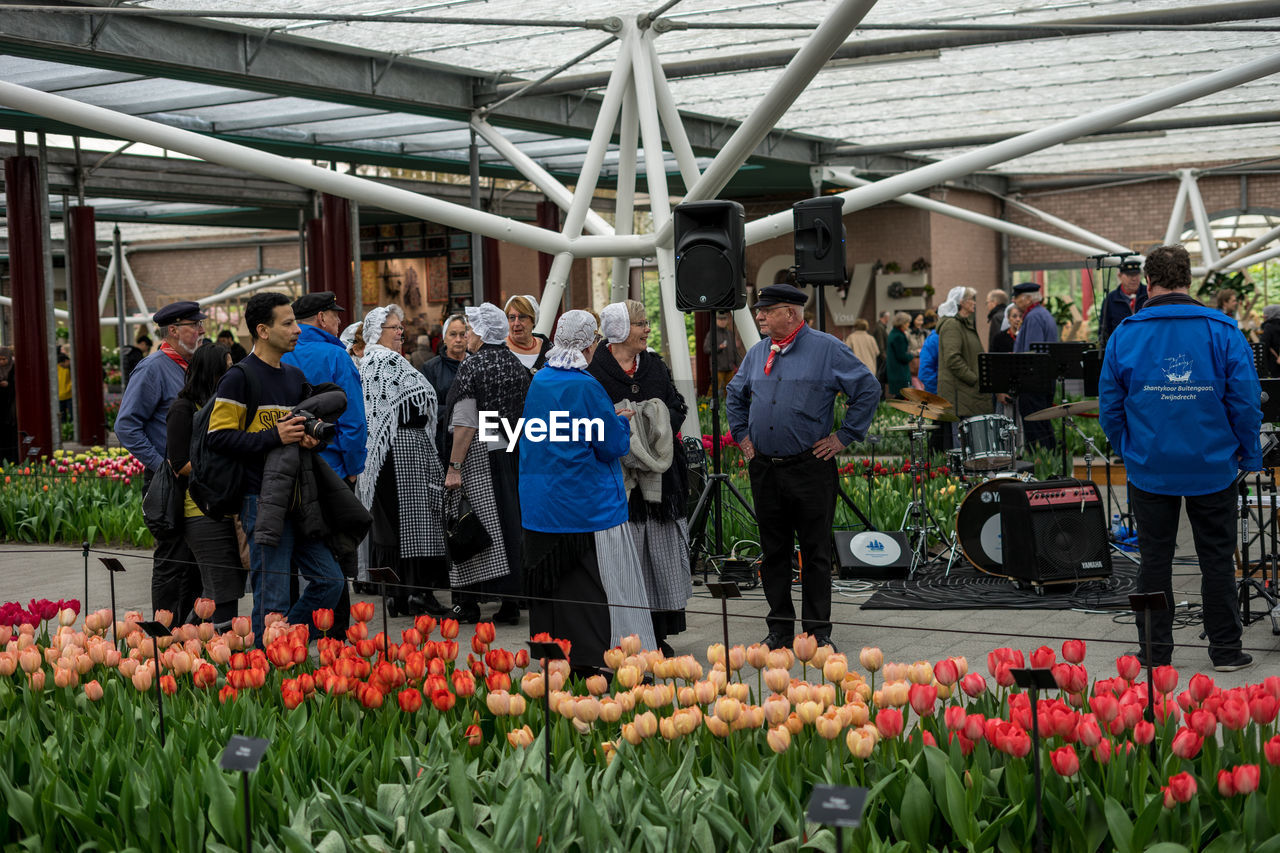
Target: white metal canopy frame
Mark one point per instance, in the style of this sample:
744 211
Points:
639 104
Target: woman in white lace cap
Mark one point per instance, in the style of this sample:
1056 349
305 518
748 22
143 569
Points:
628 371
958 348
353 339
531 349
584 578
492 381
402 483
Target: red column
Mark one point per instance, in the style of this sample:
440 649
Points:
316 278
548 217
30 335
492 271
336 212
82 281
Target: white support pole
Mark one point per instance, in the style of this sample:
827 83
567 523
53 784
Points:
1208 245
1013 230
58 313
802 68
670 116
221 296
625 200
576 214
1176 216
1243 251
134 291
107 281
1069 227
1027 143
1245 263
540 177
673 328
281 168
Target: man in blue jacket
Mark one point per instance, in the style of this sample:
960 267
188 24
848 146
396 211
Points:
323 358
1125 301
1179 399
1038 326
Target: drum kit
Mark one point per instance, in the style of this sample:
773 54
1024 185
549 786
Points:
987 457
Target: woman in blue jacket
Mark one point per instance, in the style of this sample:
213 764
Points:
582 573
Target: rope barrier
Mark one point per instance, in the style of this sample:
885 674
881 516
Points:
1121 615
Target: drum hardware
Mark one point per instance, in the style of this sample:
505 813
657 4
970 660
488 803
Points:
926 411
1090 449
1249 585
1063 410
1068 363
917 395
917 520
912 427
982 439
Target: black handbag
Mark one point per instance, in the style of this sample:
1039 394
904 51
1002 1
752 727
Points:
465 534
163 503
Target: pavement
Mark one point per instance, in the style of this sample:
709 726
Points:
28 571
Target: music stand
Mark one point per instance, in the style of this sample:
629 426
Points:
1260 359
1092 371
1068 361
1015 373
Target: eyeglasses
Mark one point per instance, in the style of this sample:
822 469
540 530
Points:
397 328
515 318
643 325
189 323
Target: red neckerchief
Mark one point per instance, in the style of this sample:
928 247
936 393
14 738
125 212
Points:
778 346
173 354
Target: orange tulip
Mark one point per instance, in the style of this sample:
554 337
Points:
93 690
805 646
142 679
241 626
322 618
835 668
443 700
473 735
409 700
204 608
871 658
362 611
521 737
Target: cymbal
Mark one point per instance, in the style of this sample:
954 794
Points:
1079 407
912 427
919 396
923 410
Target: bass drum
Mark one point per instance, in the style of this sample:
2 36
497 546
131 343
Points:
978 526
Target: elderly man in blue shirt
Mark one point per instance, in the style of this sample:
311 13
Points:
142 427
322 357
1038 326
781 412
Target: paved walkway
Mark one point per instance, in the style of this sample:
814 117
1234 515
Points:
904 635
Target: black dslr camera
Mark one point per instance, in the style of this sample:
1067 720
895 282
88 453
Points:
316 428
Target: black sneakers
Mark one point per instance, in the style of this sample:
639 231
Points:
1239 660
825 640
776 641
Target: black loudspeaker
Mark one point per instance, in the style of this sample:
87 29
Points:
819 238
711 262
872 554
1054 531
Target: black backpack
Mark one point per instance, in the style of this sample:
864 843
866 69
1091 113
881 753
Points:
216 482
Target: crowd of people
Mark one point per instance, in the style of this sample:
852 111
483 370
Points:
353 459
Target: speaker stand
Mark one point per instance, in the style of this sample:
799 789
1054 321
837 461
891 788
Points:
1089 450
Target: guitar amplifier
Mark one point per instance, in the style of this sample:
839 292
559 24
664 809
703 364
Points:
1054 531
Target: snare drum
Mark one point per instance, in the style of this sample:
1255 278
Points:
978 526
984 442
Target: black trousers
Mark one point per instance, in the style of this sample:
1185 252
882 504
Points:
1037 432
795 500
1212 519
577 610
175 574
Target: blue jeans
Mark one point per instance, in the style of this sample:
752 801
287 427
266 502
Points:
271 573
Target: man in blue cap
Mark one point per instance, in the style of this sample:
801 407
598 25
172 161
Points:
1038 326
141 428
781 412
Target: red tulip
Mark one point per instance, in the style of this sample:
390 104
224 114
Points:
292 698
1073 651
486 632
478 645
1065 761
443 700
425 624
1245 777
1234 714
889 722
1102 752
1128 666
522 658
448 650
973 685
1164 679
1004 674
1186 744
1043 658
226 694
369 696
1271 749
500 660
946 671
974 726
1013 740
1181 788
1088 732
464 683
923 697
1144 732
473 735
1104 706
322 618
1263 708
205 675
449 628
1202 722
497 681
1201 687
1226 786
362 611
954 717
409 699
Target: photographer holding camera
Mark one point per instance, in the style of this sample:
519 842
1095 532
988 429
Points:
277 388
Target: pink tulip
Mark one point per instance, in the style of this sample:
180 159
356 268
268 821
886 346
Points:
1164 679
1245 778
1128 667
1201 687
973 685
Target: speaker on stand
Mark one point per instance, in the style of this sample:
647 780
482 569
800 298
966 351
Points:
710 248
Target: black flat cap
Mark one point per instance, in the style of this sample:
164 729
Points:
311 304
176 312
1026 287
1132 266
780 294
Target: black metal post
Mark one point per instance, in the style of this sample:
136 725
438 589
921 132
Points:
546 720
386 637
717 506
84 605
115 641
839 839
155 645
724 618
248 821
1035 752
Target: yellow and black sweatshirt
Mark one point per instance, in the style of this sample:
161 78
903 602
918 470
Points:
279 390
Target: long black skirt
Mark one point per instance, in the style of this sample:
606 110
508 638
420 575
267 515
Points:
567 597
419 575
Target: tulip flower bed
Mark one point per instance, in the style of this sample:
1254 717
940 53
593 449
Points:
409 745
75 497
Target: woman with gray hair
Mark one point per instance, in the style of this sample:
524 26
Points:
958 348
584 578
635 378
490 382
402 482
